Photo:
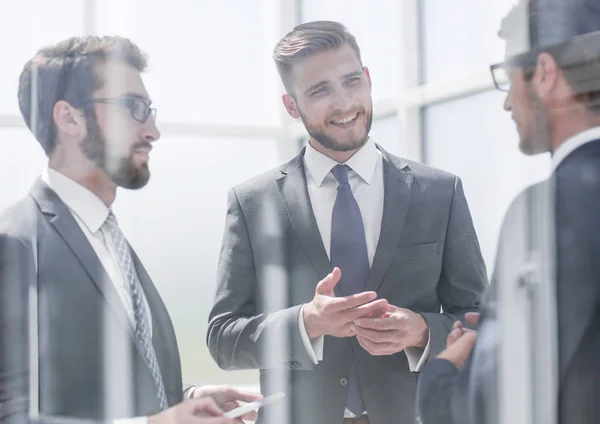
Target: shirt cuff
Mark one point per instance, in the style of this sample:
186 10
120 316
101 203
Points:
314 348
416 356
187 393
136 420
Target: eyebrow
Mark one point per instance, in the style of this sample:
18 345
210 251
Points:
323 83
315 86
352 74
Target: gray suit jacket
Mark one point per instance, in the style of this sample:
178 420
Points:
90 366
272 258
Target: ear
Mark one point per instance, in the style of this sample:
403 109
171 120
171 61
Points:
67 119
290 106
367 75
546 75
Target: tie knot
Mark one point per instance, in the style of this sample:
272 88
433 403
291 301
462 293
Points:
111 221
340 172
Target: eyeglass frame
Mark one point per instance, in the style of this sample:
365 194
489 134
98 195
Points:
575 52
123 101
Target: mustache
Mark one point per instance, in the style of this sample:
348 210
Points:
142 145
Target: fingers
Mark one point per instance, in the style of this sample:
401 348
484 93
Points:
376 307
378 349
243 395
357 303
206 405
454 335
458 352
250 416
464 343
381 324
327 284
473 318
375 335
215 420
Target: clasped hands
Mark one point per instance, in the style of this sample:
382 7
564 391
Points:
381 328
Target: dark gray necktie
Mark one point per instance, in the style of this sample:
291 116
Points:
349 253
142 322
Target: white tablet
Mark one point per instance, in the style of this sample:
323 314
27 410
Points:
253 406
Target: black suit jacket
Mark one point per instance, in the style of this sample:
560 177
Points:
90 366
447 395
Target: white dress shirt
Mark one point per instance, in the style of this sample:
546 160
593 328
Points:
90 213
366 180
573 143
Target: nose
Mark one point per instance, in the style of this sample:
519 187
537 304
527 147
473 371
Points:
342 100
150 131
507 105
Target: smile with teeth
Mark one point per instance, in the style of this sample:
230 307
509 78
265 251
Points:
345 119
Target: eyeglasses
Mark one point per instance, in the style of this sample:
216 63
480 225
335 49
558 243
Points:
140 111
575 54
500 76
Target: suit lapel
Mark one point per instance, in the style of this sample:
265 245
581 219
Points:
293 188
61 219
163 335
397 180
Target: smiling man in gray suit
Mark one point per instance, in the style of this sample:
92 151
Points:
334 267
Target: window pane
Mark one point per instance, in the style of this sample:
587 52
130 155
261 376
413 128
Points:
374 23
474 138
26 26
21 161
176 223
209 61
461 36
386 132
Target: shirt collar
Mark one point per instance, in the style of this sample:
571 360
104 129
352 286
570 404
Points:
83 203
573 143
362 162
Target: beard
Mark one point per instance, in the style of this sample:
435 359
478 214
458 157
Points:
538 140
317 132
120 168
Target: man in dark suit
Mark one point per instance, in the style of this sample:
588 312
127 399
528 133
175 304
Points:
84 333
553 94
334 267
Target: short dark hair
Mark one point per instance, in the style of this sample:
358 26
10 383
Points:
307 40
66 71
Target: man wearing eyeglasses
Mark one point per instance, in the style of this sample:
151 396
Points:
547 275
84 333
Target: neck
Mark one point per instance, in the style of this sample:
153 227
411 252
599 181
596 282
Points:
87 175
336 155
571 124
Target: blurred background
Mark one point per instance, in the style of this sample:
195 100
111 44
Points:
218 95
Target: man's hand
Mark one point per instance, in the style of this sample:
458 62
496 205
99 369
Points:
334 316
460 342
227 398
192 411
396 330
472 318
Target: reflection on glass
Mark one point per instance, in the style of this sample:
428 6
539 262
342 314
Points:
459 37
474 138
175 224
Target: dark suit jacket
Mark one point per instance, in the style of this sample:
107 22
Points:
89 364
447 396
272 258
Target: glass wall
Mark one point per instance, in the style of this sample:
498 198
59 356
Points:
213 81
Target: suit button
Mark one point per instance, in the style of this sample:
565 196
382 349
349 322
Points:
344 381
